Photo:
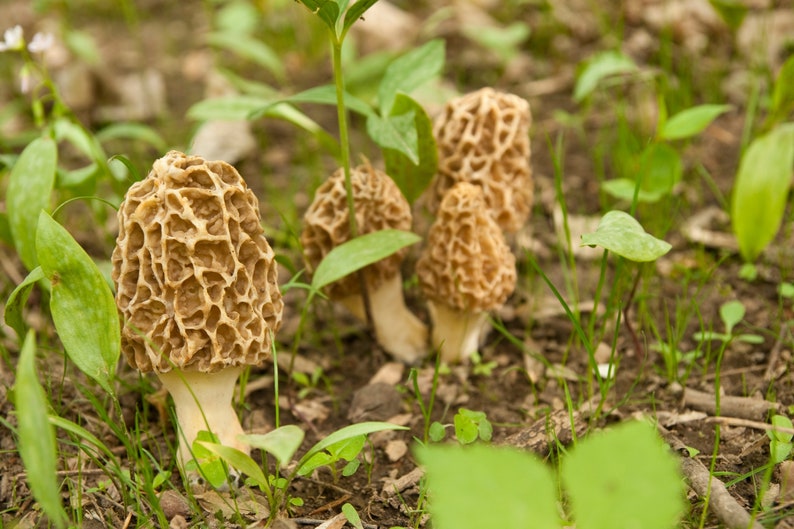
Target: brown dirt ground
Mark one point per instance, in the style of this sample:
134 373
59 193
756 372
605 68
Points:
520 393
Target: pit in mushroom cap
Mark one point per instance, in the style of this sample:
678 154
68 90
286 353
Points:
379 205
196 286
465 270
483 138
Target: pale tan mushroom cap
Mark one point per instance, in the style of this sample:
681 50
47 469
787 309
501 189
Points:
379 205
466 263
195 277
483 138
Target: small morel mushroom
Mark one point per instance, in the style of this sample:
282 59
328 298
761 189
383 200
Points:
196 287
379 205
465 270
483 138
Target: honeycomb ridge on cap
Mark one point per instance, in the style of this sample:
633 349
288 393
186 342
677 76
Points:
196 280
466 263
379 205
483 138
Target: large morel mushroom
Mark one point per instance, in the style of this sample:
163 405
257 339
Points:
379 205
196 287
466 269
483 139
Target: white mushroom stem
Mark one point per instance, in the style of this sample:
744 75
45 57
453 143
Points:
397 329
203 401
456 333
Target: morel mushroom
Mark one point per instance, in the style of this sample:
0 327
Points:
465 270
196 287
379 205
483 138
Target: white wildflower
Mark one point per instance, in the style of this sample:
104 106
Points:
12 39
41 42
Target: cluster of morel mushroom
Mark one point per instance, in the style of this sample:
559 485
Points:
482 190
196 282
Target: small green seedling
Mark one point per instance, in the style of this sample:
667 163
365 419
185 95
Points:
780 445
469 427
731 313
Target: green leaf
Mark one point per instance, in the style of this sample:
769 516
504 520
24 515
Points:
465 429
503 41
82 433
731 313
783 92
236 459
321 459
624 477
485 486
411 178
598 68
358 253
17 300
410 71
436 432
692 121
761 189
66 130
659 169
620 233
30 185
347 449
352 516
249 48
396 132
36 435
780 421
348 432
209 464
326 95
281 443
80 294
132 131
356 11
731 11
228 107
327 10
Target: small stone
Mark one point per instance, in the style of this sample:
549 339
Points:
173 504
375 402
396 449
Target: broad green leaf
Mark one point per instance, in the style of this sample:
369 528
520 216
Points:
731 313
466 429
82 305
282 442
17 300
36 435
503 41
481 486
620 233
783 92
249 48
240 17
780 421
347 449
318 460
691 121
598 68
228 107
352 516
358 253
410 71
659 169
624 477
67 130
236 459
327 10
326 95
396 132
356 12
78 177
411 178
761 189
731 11
348 432
133 131
30 185
207 462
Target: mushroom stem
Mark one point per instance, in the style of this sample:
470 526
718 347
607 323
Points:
203 401
397 329
456 333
